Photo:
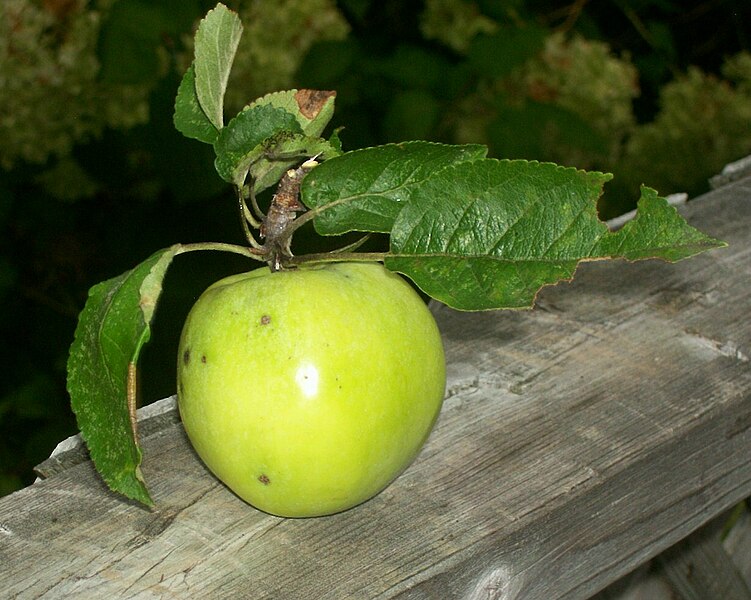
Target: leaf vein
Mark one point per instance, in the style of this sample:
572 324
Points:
529 206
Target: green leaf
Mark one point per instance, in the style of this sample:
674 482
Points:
313 110
657 231
335 141
215 45
489 234
364 190
267 172
112 328
240 143
189 118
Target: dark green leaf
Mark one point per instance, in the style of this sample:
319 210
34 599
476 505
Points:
335 141
489 234
364 190
266 172
657 231
112 328
189 118
215 45
313 110
240 143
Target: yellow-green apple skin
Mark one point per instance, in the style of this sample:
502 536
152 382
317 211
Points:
308 391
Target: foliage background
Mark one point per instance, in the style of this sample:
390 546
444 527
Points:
93 177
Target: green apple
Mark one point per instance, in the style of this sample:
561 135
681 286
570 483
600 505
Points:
308 391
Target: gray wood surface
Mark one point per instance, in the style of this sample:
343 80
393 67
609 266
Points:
698 568
577 441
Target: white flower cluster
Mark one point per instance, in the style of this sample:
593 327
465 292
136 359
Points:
454 23
585 77
703 119
572 73
50 95
277 36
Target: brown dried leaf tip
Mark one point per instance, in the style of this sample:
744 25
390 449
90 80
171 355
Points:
310 102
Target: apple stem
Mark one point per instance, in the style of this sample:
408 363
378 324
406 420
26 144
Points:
276 225
222 247
245 218
259 214
337 256
279 224
353 246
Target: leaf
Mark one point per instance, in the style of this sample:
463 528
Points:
657 231
112 328
364 190
189 118
240 143
489 234
313 110
267 172
335 141
215 45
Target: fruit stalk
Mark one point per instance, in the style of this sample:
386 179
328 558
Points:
285 205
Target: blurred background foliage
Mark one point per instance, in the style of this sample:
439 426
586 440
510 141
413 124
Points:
93 177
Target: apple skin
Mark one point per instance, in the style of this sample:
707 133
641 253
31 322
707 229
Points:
308 391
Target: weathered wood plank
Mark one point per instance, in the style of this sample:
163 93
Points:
577 441
723 559
698 568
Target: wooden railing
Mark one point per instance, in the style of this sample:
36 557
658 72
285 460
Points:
577 441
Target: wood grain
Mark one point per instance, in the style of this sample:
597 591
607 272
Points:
576 442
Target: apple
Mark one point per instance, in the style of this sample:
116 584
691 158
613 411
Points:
308 391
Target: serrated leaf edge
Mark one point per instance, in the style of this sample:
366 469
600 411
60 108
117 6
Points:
212 99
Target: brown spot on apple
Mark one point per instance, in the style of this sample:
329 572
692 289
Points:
203 358
265 319
264 479
186 356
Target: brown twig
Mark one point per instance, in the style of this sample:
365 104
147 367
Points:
285 204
